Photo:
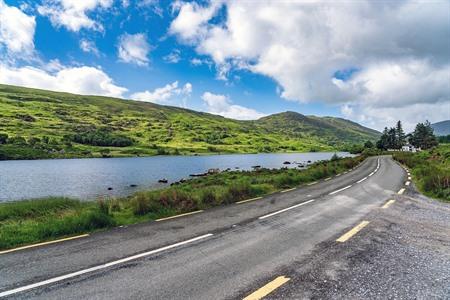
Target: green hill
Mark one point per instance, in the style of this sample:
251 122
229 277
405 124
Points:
41 124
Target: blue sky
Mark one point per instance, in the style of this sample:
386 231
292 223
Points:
229 58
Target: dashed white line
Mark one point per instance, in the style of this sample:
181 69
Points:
286 209
100 267
361 180
401 191
340 190
407 183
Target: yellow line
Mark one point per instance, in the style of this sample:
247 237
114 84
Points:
248 200
182 215
387 204
44 243
288 190
326 179
312 183
352 232
401 191
268 288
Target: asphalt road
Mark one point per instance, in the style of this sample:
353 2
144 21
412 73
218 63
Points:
223 253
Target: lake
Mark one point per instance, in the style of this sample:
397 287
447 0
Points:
90 178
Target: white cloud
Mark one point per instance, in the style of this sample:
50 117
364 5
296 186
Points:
89 47
80 80
221 105
134 48
73 14
166 94
173 57
301 44
16 30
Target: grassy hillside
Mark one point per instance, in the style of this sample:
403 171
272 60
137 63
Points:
441 128
42 124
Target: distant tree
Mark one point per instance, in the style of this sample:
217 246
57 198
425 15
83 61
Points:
392 138
401 137
382 143
105 152
442 139
335 157
368 144
423 136
3 138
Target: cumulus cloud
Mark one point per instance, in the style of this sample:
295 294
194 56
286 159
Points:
73 14
166 94
134 48
302 44
221 105
89 47
16 30
80 80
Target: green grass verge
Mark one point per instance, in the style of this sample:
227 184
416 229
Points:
430 170
38 220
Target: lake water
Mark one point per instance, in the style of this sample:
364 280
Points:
90 178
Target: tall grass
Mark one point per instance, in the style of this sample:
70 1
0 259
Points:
431 170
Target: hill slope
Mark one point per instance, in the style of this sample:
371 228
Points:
441 128
52 124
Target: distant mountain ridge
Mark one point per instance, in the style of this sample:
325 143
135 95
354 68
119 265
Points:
78 126
441 128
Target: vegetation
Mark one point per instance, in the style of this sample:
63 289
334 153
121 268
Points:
395 138
430 169
25 222
44 124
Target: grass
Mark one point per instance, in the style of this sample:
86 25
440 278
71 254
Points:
430 170
31 221
45 124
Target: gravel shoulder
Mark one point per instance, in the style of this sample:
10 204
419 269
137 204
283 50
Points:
404 253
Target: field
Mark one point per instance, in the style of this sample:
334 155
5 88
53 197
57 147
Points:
44 124
430 170
31 221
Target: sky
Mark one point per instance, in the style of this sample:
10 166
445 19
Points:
373 62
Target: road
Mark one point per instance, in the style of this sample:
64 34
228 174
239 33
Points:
222 253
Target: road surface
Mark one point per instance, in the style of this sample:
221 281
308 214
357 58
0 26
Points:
284 246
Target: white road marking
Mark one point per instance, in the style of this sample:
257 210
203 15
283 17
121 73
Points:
286 209
359 181
409 177
340 190
371 174
401 191
312 183
99 267
407 183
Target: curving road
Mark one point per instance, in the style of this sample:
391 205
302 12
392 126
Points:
223 253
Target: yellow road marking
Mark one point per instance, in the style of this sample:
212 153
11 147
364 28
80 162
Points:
268 288
326 179
44 243
387 204
248 200
288 190
401 191
182 215
352 232
312 183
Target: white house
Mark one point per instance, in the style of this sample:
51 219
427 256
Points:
410 148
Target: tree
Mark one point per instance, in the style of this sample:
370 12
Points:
382 143
3 138
423 136
392 139
401 137
368 144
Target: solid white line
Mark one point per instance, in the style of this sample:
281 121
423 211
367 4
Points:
359 181
340 190
286 209
99 267
371 174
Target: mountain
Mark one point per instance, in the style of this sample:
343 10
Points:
43 123
441 128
